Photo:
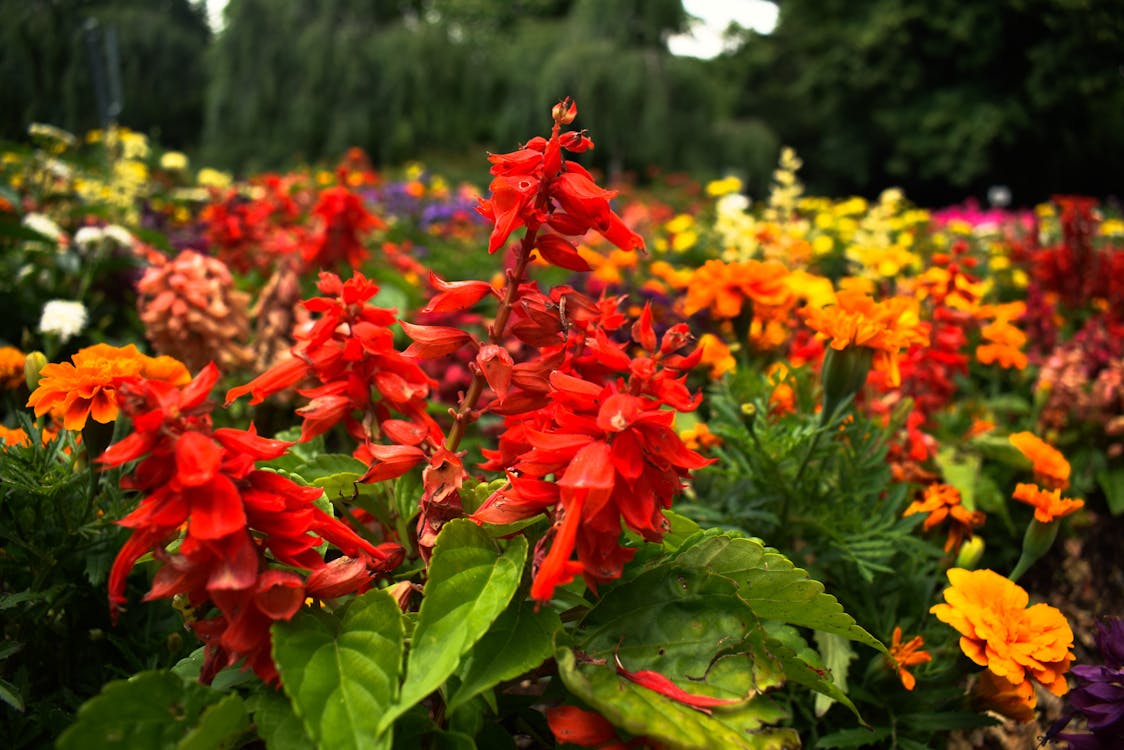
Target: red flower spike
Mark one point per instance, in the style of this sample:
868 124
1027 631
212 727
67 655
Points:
665 687
496 364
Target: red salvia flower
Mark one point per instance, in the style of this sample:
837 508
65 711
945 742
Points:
340 220
234 521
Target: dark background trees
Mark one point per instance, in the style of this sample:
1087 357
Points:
941 97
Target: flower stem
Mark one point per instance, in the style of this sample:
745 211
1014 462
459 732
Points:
465 411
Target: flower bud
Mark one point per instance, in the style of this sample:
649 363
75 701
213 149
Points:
970 553
564 112
32 366
844 374
1037 541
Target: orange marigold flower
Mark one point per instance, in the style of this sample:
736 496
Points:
1048 504
12 436
716 355
1015 700
857 320
699 437
942 501
725 287
11 367
1049 465
907 654
86 388
999 632
979 427
1004 345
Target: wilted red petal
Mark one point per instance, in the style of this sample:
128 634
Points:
197 459
665 687
341 576
496 364
572 725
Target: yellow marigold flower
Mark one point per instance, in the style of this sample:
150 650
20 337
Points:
1048 504
173 161
942 501
87 388
11 367
725 186
907 654
1014 700
885 327
1049 465
717 355
213 178
999 632
699 437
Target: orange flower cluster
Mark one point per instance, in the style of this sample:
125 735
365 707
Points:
1049 505
1049 465
11 367
907 654
1004 341
942 501
857 320
725 287
87 388
999 632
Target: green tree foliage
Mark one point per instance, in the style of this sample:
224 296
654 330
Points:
46 66
944 96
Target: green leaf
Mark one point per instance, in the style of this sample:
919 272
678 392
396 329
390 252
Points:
852 738
221 726
342 676
277 724
1112 483
152 237
469 585
961 471
837 654
10 694
648 713
149 711
772 586
682 529
519 640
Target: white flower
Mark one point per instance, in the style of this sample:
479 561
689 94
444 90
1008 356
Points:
87 237
63 318
43 225
119 235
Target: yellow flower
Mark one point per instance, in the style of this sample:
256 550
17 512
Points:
724 186
999 632
213 178
173 161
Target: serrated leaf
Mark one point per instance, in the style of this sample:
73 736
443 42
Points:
277 724
221 726
342 675
469 585
149 711
647 713
519 640
772 586
837 654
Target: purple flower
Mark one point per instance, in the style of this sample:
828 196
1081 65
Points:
1099 696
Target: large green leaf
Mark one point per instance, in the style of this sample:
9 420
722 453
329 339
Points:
220 726
691 627
771 585
519 640
342 675
1112 484
151 711
469 585
645 712
278 726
